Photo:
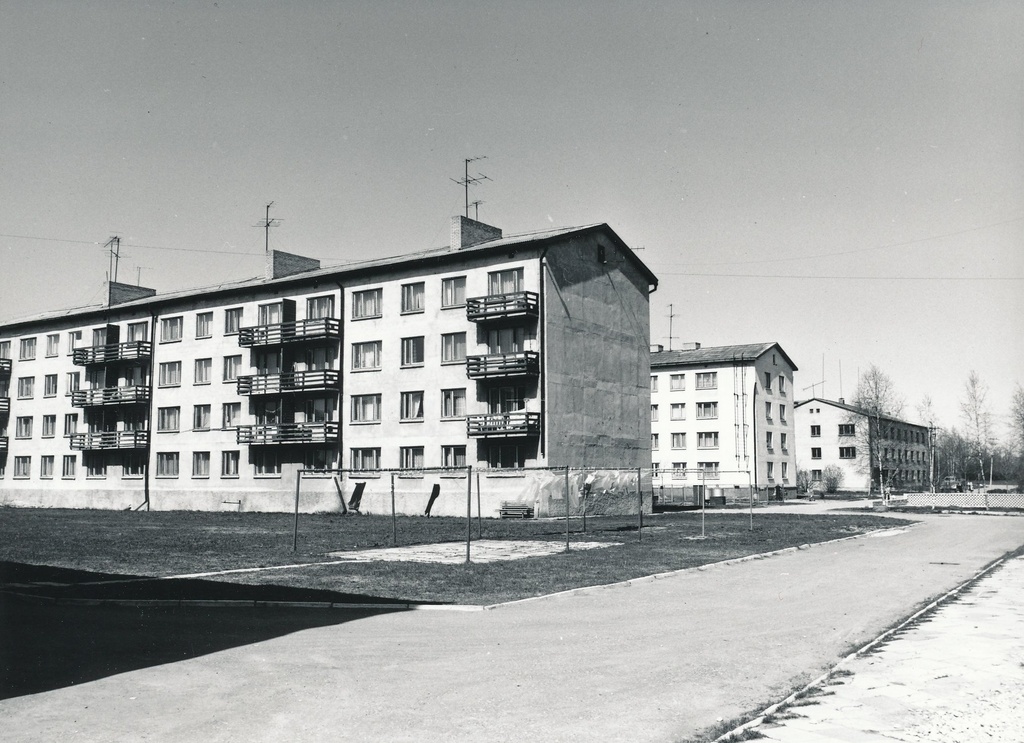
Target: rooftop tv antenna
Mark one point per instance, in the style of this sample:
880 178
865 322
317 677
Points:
466 181
476 209
671 317
266 224
813 387
114 244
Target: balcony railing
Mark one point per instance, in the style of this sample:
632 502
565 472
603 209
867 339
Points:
5 366
130 351
500 306
109 396
297 331
3 443
5 405
109 440
503 425
325 432
279 384
523 363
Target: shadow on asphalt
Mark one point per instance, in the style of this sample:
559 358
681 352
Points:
49 639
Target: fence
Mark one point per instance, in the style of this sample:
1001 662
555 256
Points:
980 500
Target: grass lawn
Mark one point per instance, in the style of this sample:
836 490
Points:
174 543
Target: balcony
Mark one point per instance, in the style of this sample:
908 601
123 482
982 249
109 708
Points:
109 396
5 367
281 384
503 425
325 432
298 331
5 405
3 443
498 365
112 352
109 440
502 306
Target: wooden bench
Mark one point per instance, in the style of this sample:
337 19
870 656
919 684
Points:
513 509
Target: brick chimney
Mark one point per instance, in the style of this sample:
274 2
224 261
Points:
118 293
468 232
280 264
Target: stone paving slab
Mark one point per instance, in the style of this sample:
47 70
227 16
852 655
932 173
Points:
957 676
453 553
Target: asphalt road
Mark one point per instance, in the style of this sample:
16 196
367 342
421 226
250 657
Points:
652 661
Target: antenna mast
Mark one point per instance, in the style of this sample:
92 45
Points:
114 244
466 182
671 317
266 224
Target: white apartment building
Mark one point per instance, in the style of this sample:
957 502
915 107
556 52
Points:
722 419
869 452
496 352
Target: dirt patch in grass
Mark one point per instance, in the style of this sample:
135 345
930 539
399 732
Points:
160 544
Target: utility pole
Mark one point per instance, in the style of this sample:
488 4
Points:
114 244
466 181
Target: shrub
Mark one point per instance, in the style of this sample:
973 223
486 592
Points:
832 478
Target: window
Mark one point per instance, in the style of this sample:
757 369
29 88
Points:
366 408
654 383
100 336
679 441
27 352
74 382
23 427
707 440
26 388
815 452
654 441
366 303
204 324
138 331
768 440
316 459
46 467
319 308
815 475
319 409
232 320
783 440
782 385
70 423
167 464
229 464
505 282
768 411
782 413
50 385
170 374
68 466
412 406
678 412
133 465
412 297
201 417
49 426
231 414
453 291
232 365
707 410
366 355
453 456
654 414
707 380
771 470
506 340
200 464
679 470
505 456
411 457
22 467
453 403
677 382
266 464
847 452
95 466
366 459
847 429
204 370
270 314
767 381
168 419
5 349
74 341
53 344
815 431
171 329
453 348
412 351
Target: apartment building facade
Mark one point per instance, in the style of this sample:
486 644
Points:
496 352
870 452
722 418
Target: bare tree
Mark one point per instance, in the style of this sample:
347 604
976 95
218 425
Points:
879 403
977 420
1017 431
832 478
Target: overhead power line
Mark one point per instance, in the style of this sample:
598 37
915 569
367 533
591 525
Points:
840 278
131 245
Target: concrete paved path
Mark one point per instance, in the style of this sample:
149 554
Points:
651 661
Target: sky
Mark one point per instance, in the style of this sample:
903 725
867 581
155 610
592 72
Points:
844 178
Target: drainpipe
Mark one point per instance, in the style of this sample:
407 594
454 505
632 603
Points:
542 339
149 416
